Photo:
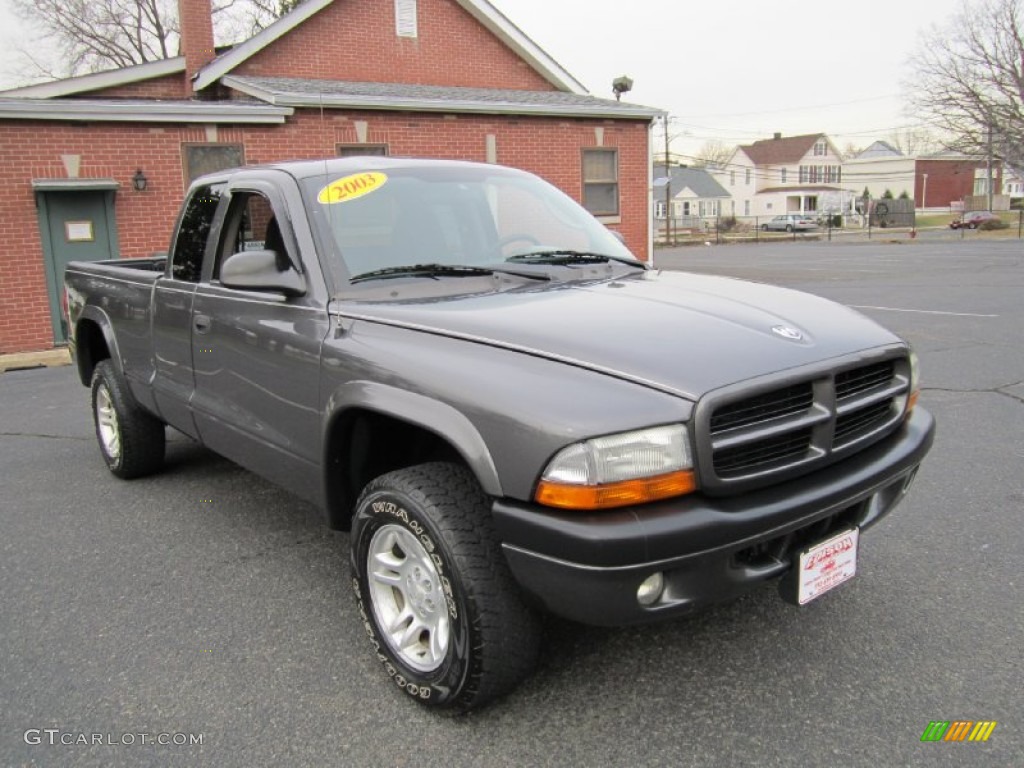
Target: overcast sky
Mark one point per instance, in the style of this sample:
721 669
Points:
732 70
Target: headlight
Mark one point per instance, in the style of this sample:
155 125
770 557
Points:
915 382
613 471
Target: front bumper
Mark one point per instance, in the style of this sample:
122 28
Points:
587 566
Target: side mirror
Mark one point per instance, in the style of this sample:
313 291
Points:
258 270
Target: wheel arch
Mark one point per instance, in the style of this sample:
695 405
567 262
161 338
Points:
94 342
373 428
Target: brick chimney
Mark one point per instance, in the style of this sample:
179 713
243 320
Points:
196 20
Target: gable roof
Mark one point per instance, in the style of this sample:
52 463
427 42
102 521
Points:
490 17
99 80
879 149
485 13
778 151
698 180
295 92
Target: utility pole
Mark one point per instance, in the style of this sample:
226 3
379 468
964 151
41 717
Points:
988 186
668 190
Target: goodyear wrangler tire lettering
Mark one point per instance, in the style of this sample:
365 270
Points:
443 614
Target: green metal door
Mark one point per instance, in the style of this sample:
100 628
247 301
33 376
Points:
75 226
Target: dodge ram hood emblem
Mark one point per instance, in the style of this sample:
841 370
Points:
787 333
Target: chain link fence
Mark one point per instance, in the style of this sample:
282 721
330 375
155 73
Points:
881 223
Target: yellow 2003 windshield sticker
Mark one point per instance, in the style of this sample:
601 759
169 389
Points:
352 187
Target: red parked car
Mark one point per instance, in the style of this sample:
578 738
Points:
973 219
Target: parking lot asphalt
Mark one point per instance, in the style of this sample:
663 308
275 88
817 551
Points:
204 601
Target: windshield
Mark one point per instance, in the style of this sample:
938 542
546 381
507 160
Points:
453 215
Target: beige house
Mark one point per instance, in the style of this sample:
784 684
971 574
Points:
880 168
795 174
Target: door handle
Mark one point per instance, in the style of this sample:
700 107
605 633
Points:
202 323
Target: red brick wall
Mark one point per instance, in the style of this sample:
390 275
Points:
166 87
355 40
549 147
948 180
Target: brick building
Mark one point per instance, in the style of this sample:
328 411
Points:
96 166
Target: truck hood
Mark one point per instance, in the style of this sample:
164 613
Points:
681 333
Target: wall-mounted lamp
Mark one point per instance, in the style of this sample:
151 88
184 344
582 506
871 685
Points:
139 181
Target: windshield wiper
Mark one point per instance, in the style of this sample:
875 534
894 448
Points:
435 271
560 256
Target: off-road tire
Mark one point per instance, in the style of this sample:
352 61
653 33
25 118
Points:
132 441
492 636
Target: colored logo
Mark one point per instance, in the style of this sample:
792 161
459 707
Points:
958 730
351 187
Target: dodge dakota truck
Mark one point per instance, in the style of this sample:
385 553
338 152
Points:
508 411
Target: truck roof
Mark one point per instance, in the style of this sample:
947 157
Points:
304 169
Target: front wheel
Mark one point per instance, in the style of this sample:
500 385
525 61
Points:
789 227
131 440
436 597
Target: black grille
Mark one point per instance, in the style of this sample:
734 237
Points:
771 405
763 454
751 440
850 426
857 380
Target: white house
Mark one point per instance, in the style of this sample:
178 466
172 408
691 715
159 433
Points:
880 168
795 174
694 194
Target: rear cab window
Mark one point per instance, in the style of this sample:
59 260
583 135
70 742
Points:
193 232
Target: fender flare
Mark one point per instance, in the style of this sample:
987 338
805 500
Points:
102 320
425 412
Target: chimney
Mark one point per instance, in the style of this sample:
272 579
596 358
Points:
196 20
777 136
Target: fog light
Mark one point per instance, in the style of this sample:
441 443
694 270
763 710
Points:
651 588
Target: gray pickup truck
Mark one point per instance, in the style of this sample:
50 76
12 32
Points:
508 411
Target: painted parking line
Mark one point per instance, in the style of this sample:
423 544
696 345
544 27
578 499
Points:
921 311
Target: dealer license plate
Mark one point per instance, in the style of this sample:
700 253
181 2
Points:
826 565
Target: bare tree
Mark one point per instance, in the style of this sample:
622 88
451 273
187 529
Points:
711 154
914 141
851 150
93 35
969 79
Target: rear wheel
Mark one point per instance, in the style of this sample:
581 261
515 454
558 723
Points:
442 610
789 227
131 440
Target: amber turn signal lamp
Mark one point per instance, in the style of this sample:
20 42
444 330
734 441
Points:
620 494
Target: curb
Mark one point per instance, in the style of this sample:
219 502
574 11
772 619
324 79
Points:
22 361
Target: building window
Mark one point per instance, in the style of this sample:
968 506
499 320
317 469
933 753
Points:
190 242
747 179
405 18
732 178
782 175
803 174
209 158
601 181
746 207
356 150
659 209
820 148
